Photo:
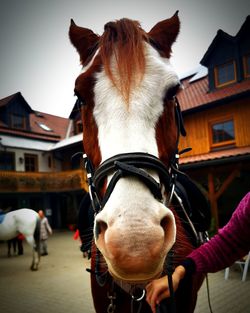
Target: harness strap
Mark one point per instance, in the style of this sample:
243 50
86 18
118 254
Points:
180 122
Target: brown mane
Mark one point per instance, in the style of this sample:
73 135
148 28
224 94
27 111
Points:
125 39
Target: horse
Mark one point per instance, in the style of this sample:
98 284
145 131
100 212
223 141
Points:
126 94
26 222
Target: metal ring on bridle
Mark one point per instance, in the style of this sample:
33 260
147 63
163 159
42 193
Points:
140 298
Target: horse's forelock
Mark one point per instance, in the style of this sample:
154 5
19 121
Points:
125 40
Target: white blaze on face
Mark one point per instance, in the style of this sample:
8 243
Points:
132 215
123 128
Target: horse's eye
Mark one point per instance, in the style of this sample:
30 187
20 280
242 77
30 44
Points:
172 91
79 100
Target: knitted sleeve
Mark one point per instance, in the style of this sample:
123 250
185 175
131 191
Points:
230 244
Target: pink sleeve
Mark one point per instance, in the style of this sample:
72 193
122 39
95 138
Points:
230 244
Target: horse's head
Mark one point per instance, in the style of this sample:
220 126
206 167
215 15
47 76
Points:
126 87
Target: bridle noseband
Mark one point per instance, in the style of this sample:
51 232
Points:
132 164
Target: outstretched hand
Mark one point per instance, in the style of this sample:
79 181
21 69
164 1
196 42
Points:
158 289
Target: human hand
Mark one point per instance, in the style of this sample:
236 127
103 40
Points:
158 289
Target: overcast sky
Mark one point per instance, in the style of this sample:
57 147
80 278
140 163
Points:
37 59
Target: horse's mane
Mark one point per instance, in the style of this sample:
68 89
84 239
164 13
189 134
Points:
125 39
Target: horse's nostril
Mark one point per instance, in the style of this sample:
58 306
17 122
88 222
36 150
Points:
168 225
164 222
100 228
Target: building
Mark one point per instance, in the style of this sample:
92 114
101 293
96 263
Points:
36 170
216 107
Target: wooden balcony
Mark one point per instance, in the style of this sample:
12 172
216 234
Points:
11 181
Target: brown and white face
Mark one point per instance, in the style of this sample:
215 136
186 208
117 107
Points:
125 78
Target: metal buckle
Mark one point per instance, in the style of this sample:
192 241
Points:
135 298
112 306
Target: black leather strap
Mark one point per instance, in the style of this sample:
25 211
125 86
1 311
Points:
124 170
148 180
138 160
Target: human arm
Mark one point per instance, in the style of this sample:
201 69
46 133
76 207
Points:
49 229
230 244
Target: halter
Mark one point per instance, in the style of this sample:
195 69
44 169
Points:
134 164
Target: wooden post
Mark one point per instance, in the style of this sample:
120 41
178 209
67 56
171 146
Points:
214 195
213 199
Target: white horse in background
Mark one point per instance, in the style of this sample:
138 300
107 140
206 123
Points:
26 222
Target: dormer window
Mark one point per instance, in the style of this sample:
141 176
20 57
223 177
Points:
246 63
18 121
225 74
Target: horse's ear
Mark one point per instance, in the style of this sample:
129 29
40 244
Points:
83 39
164 34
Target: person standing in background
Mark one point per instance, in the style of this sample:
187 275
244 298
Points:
45 231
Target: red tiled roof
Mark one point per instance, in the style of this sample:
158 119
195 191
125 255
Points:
215 155
197 93
58 125
28 134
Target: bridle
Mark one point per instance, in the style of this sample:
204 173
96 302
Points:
136 165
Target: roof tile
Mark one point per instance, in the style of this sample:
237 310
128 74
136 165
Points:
197 93
215 155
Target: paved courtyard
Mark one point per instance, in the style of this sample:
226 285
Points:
62 285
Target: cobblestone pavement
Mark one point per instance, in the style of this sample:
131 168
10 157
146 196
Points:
62 285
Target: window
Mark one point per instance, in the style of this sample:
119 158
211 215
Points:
7 161
246 63
222 133
225 74
31 163
18 121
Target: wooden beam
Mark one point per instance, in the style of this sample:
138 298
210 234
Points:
227 182
214 195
